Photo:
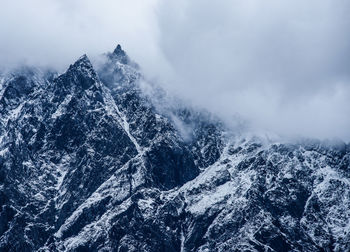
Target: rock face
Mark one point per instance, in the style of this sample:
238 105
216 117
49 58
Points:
91 161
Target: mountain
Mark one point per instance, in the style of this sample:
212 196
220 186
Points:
98 159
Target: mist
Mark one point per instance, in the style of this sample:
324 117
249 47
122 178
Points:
280 66
54 33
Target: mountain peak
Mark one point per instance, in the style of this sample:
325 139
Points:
120 55
118 50
82 72
84 62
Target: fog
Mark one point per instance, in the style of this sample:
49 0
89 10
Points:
281 66
56 32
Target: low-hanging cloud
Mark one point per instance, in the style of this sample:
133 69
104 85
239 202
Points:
54 33
280 65
283 66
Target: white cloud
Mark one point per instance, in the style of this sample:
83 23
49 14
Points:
56 32
283 65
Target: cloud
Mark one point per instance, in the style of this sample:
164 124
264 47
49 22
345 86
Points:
283 66
56 32
280 65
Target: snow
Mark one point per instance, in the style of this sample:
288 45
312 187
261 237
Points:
94 230
112 187
182 246
220 188
112 109
62 107
2 86
15 112
3 152
212 195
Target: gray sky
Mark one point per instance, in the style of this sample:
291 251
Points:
282 65
56 32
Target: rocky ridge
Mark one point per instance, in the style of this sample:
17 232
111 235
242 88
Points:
90 162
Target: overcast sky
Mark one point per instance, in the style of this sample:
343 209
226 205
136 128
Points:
281 65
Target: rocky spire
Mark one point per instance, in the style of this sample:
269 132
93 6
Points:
120 55
81 73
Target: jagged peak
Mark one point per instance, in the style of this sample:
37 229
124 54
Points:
84 57
83 62
120 55
118 50
83 72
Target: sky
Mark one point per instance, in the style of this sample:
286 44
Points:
282 66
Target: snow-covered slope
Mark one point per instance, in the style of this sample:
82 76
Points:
89 161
